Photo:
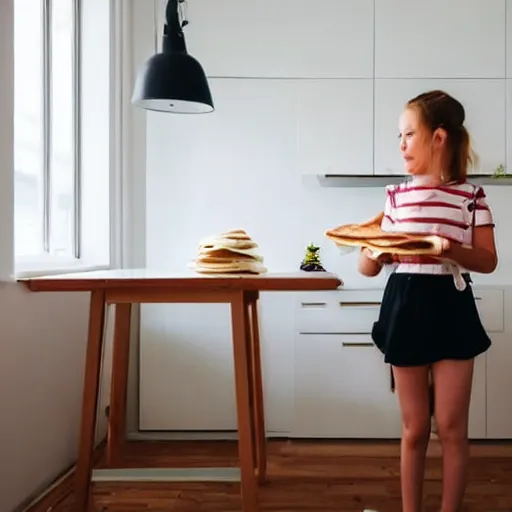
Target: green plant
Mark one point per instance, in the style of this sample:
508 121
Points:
500 173
311 261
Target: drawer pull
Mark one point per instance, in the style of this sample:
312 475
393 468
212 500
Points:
478 298
357 344
360 304
313 304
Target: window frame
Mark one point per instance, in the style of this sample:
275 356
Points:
83 254
47 123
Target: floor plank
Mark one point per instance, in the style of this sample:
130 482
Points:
325 476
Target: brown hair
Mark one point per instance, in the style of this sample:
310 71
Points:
438 109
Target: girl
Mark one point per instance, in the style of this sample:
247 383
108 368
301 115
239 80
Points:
428 322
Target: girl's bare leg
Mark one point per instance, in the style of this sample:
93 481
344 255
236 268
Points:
452 387
413 395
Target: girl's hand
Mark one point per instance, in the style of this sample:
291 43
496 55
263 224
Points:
447 246
383 258
449 250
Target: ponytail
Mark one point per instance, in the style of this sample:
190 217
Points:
462 155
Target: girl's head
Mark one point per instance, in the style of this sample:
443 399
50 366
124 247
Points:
433 139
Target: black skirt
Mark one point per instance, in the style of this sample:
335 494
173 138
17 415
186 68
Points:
423 319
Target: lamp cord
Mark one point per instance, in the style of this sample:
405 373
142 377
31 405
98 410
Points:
155 25
182 14
183 11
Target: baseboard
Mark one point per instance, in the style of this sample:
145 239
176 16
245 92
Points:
51 495
58 489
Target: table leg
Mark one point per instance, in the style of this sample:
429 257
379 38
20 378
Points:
90 401
243 403
254 351
119 385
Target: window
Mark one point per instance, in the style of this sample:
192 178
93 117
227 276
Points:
61 133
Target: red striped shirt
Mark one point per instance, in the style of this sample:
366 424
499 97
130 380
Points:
447 210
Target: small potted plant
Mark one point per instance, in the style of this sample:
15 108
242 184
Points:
311 261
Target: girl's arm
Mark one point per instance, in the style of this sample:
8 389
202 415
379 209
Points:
482 257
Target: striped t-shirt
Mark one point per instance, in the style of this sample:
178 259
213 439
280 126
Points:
444 210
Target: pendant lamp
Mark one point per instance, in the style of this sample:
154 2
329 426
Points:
173 81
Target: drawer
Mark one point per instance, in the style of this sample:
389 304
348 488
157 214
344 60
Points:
355 311
490 307
342 389
345 313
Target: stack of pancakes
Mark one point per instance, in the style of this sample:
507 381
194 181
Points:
369 234
232 252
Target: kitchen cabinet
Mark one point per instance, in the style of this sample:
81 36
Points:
322 375
477 425
186 369
343 389
285 39
439 39
485 104
342 385
499 386
499 375
335 126
186 366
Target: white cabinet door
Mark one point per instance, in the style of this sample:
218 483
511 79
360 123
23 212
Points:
335 126
343 389
287 38
477 412
499 387
186 368
440 38
483 100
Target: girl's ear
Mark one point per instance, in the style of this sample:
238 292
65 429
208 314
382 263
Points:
439 138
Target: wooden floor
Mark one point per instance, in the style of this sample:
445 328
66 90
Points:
303 476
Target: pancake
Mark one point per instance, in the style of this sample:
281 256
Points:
229 267
369 234
223 255
430 245
231 252
234 239
236 234
227 252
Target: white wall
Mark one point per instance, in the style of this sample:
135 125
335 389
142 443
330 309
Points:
238 168
42 355
42 344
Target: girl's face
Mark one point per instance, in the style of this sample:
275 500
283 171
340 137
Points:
420 148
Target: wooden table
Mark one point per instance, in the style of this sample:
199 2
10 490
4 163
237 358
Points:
125 287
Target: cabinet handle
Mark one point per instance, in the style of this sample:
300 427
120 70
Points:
360 304
357 344
392 379
313 304
478 298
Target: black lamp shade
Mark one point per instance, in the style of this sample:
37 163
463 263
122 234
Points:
173 82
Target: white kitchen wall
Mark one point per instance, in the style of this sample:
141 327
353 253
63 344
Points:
240 168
